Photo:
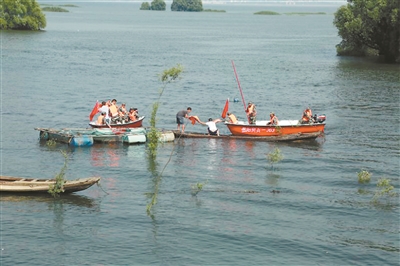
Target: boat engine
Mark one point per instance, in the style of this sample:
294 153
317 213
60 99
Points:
319 118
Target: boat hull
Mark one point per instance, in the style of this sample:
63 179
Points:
137 123
291 137
29 185
258 130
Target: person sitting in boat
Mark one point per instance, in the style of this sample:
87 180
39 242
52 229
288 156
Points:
133 114
114 111
307 116
123 113
251 112
105 109
212 127
273 120
232 118
101 119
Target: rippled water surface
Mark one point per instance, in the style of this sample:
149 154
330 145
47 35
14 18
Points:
97 51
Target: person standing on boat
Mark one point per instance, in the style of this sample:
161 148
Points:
273 121
114 110
105 109
212 126
232 118
307 116
251 112
180 118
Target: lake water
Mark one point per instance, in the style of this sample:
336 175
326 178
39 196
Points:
98 51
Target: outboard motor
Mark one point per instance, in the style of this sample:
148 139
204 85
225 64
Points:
319 118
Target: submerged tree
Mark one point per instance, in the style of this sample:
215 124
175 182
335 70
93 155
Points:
168 76
369 27
21 15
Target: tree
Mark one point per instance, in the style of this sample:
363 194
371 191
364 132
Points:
187 5
145 6
158 5
21 15
366 25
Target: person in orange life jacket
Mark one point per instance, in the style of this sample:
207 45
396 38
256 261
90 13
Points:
101 119
307 116
105 109
232 118
273 121
251 112
114 110
212 127
180 118
133 114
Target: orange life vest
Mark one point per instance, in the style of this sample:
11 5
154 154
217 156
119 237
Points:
233 118
113 110
307 115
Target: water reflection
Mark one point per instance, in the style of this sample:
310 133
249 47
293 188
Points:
102 155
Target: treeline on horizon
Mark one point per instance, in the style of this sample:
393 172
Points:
367 27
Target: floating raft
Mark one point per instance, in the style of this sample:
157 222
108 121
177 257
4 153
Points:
292 137
87 136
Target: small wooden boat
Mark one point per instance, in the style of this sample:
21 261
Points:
31 185
137 123
290 137
284 128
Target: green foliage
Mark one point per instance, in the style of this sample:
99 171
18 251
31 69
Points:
145 6
266 13
364 176
187 5
21 15
369 24
214 10
274 157
54 9
158 5
384 190
51 143
58 186
196 188
166 77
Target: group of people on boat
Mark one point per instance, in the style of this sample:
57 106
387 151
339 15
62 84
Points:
111 113
251 113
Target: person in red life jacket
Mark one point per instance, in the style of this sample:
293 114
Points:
101 119
273 120
133 114
307 116
180 118
212 126
232 118
251 112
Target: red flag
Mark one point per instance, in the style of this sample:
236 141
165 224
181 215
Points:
95 110
226 108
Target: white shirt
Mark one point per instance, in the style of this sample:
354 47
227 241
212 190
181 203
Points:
211 126
105 109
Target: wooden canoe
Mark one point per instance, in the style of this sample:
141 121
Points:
291 137
31 185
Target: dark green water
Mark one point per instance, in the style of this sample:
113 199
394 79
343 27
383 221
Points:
112 50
